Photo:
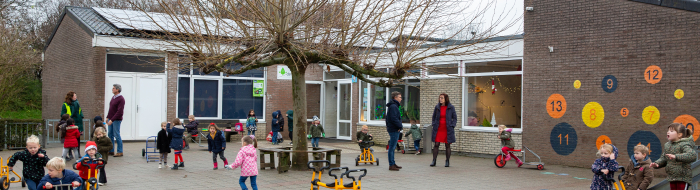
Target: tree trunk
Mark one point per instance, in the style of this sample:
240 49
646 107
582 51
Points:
300 157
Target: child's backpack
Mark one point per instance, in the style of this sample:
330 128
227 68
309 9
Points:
239 127
269 137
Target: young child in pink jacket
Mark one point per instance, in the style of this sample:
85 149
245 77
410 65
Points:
247 159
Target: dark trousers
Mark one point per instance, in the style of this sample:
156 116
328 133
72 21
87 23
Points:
221 155
291 134
103 176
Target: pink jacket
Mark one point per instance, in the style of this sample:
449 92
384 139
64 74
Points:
247 159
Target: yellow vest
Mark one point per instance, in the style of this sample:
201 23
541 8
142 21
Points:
68 109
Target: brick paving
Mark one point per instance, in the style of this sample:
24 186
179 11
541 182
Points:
132 172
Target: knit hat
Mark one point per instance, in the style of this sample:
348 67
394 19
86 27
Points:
315 118
90 145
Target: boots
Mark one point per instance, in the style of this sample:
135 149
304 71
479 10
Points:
520 163
433 164
216 166
182 164
447 163
175 167
507 157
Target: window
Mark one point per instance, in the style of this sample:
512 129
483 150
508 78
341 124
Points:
374 100
183 97
493 66
238 99
135 63
206 98
337 75
249 73
504 104
377 103
443 69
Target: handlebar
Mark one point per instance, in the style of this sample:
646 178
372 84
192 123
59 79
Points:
622 172
85 160
328 165
330 172
62 185
353 177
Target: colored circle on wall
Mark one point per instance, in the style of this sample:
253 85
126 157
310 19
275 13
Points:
556 105
563 139
609 84
648 139
651 115
593 114
602 139
691 123
624 112
679 94
653 74
577 84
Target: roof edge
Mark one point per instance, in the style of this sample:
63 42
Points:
688 5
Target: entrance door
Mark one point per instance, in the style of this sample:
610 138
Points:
127 82
150 108
344 110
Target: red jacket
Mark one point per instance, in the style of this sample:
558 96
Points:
72 135
84 169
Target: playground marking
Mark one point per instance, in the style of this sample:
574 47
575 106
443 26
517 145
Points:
653 74
651 115
593 114
556 105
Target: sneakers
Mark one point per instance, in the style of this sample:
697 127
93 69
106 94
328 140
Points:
118 154
507 157
418 152
290 143
227 167
393 168
101 184
160 165
182 164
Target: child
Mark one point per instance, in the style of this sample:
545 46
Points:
71 139
280 121
504 135
191 130
163 145
604 167
58 175
316 132
363 136
247 159
639 174
83 168
61 127
103 147
416 133
34 159
677 156
275 126
177 143
97 123
251 123
217 144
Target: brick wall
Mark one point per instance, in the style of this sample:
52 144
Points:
171 85
592 39
72 64
430 90
279 95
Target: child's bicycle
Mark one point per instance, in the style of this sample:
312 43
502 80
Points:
500 159
619 177
400 145
338 183
5 176
91 183
366 156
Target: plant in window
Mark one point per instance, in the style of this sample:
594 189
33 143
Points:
486 123
379 112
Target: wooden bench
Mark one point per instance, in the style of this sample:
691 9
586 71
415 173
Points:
284 157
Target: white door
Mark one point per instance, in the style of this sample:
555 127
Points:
127 82
150 105
344 110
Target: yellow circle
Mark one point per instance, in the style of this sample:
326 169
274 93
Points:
679 94
577 84
593 114
651 115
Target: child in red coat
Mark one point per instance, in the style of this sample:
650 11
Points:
71 139
85 163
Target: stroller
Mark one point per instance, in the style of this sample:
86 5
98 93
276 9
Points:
399 144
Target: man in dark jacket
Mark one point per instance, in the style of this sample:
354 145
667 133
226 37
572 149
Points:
393 126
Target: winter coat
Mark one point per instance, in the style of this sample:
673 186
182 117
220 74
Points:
316 131
217 143
290 120
451 122
163 141
638 176
247 159
72 135
76 113
84 169
61 129
280 120
393 117
364 137
176 136
95 120
416 133
104 145
32 165
192 127
250 124
505 138
275 124
679 168
599 183
68 178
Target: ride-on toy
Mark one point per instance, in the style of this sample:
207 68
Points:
91 183
366 156
500 159
619 177
338 183
5 176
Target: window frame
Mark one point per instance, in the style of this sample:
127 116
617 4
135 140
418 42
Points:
387 98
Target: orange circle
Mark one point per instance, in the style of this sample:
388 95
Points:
653 74
556 105
602 139
624 112
690 122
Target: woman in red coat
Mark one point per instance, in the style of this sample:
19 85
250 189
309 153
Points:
444 122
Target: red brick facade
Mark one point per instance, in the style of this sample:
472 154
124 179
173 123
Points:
279 95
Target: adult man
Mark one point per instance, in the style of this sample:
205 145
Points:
393 126
114 119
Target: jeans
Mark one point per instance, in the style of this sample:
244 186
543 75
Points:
251 132
253 183
393 140
114 135
416 143
66 151
274 137
314 141
31 185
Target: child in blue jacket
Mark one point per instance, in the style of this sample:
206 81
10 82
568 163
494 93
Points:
217 144
58 175
176 142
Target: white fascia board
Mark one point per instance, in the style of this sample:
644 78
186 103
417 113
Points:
139 43
514 50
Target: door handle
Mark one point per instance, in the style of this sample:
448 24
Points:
137 108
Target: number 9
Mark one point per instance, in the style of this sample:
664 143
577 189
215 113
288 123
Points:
610 83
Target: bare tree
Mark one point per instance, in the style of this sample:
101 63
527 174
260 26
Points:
357 36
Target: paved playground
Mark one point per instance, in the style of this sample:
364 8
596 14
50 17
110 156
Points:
132 172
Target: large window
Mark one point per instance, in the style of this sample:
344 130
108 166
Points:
206 98
183 97
482 104
238 99
374 100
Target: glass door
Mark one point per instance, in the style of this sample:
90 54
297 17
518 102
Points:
344 110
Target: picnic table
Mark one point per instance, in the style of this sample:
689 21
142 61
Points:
284 157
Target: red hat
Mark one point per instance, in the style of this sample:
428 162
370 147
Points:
90 145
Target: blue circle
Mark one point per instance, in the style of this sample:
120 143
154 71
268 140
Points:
609 84
646 138
563 139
